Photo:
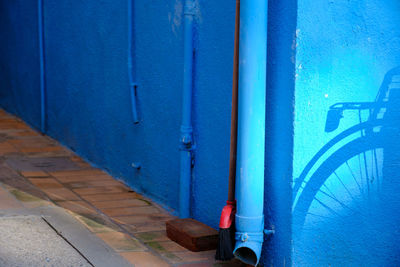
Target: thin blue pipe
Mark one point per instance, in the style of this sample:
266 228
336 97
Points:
251 130
132 84
42 67
186 130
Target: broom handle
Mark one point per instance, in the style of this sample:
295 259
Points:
234 115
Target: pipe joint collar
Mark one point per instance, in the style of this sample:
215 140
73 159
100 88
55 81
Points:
189 8
186 138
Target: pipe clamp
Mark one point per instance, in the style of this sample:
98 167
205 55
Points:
189 8
247 237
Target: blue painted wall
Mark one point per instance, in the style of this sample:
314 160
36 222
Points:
88 97
19 60
345 210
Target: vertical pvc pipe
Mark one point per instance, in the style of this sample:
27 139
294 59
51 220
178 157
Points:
132 84
186 126
42 68
251 130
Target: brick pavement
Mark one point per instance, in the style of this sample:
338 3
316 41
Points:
35 170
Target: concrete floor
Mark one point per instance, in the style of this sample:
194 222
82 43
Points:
58 210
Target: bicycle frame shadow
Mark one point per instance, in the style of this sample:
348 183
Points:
346 198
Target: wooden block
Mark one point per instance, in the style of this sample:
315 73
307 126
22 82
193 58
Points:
192 234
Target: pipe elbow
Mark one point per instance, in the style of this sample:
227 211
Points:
249 239
248 247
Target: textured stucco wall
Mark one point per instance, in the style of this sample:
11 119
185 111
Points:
344 205
88 98
19 60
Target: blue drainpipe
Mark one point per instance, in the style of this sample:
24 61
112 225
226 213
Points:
132 84
42 67
186 138
251 130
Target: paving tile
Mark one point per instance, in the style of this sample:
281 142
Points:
12 179
188 256
126 211
45 183
61 153
138 219
22 196
120 203
92 183
88 172
58 194
83 178
40 149
98 223
6 148
7 201
94 226
152 236
107 197
79 207
25 133
121 242
34 174
101 190
198 264
31 142
145 227
144 259
165 246
71 183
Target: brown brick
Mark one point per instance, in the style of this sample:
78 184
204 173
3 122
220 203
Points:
144 259
113 212
188 256
101 190
152 236
92 183
79 207
121 242
120 203
83 178
137 219
192 234
88 172
165 246
145 227
45 183
34 174
6 148
107 197
58 194
40 149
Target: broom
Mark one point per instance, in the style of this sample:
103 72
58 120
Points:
226 239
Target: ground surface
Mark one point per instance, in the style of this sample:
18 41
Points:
37 176
30 241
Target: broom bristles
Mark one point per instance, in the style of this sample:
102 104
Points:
226 242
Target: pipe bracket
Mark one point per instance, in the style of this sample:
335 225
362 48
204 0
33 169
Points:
186 140
248 237
268 232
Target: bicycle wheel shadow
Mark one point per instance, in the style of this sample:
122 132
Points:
347 198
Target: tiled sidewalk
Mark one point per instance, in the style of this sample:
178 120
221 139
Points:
36 170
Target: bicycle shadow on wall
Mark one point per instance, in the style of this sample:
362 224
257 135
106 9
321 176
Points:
346 201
